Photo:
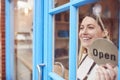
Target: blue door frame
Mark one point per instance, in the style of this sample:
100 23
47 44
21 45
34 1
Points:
38 37
9 40
43 38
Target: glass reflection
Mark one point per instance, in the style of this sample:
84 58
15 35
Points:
58 3
61 59
23 24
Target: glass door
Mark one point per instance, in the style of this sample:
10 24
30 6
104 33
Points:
19 31
60 38
50 37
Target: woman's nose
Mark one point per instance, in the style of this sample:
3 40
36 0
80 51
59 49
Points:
85 31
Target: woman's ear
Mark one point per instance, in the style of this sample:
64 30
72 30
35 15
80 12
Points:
105 33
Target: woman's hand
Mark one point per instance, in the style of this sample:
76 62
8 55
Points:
106 72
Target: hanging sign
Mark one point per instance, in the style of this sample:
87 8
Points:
103 51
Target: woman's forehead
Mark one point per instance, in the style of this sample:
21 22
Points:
88 20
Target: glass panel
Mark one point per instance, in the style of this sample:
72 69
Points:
61 43
23 25
103 23
60 2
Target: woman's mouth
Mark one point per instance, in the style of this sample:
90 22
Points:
86 39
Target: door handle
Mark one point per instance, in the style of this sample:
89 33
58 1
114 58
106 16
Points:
63 69
40 71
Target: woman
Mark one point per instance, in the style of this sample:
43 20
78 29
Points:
92 28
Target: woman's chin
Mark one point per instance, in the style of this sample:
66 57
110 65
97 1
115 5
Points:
86 46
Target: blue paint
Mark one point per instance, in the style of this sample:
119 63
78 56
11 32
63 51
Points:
79 3
38 37
73 43
55 76
59 9
9 40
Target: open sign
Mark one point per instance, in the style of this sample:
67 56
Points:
103 51
102 55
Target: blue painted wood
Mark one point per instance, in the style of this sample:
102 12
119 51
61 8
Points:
55 76
65 7
9 40
47 68
38 37
50 41
73 43
79 3
59 9
7 36
50 46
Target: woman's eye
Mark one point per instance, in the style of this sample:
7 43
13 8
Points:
91 27
81 27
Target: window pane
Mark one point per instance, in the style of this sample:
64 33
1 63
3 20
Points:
61 42
60 2
23 24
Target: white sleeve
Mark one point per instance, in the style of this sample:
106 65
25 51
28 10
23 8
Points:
92 74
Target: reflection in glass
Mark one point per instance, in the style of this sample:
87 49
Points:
23 13
60 2
61 35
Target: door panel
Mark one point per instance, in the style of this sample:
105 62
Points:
23 26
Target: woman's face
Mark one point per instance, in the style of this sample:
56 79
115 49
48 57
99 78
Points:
89 31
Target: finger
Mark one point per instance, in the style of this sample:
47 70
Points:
109 66
116 70
97 77
101 74
112 75
111 71
105 73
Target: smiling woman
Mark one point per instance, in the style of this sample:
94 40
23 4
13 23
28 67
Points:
90 30
95 25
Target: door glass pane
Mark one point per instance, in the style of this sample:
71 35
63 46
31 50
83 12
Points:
106 16
23 25
61 43
60 2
